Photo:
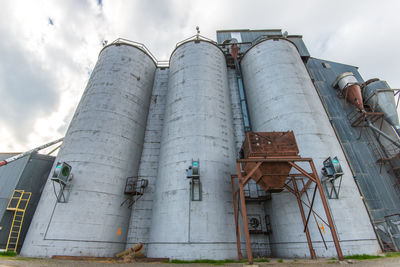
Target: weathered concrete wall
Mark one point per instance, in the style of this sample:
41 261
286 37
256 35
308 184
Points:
139 227
103 145
198 125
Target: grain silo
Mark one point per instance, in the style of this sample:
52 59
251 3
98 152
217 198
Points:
180 125
103 146
192 217
282 97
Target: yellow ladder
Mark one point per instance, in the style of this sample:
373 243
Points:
18 203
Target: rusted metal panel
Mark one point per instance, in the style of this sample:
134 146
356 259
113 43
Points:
270 144
270 176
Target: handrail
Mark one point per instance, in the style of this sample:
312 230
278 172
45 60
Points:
196 37
159 63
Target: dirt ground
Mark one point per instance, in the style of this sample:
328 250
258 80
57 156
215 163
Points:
34 262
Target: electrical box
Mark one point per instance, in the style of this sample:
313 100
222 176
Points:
193 171
332 168
62 172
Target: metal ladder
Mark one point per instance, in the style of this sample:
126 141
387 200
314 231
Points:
18 203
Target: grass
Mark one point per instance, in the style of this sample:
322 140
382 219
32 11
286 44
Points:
369 257
392 254
361 257
280 260
216 262
261 260
8 254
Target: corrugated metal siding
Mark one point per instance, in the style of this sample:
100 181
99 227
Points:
9 176
377 187
29 174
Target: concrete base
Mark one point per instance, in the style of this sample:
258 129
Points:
301 250
193 251
72 248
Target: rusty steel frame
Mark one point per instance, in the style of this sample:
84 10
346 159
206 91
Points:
244 178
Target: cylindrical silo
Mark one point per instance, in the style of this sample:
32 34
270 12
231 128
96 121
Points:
198 126
103 145
282 97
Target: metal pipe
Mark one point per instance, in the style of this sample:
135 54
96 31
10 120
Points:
242 95
16 157
370 125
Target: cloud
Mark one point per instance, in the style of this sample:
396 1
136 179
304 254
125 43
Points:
44 66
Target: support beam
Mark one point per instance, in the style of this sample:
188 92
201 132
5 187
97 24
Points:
303 217
305 186
302 171
248 176
328 213
244 215
234 194
311 208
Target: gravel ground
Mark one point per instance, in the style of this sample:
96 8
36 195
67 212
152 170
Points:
33 262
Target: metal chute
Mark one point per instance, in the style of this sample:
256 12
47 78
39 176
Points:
350 89
380 97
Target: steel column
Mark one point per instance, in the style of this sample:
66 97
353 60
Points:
303 217
328 213
234 194
244 214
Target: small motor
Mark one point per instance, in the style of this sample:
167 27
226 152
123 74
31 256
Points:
193 171
62 172
332 168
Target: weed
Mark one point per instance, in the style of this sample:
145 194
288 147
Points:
361 257
215 262
8 254
392 254
261 260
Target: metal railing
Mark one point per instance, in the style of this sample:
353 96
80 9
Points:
196 37
159 63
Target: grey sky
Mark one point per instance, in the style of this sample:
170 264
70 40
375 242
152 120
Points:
44 66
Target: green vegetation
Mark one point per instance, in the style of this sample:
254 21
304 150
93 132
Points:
216 262
280 260
361 257
261 260
8 254
392 254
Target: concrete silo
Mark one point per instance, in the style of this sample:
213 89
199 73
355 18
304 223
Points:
103 145
282 97
197 126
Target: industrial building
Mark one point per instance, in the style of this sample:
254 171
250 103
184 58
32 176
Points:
244 146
